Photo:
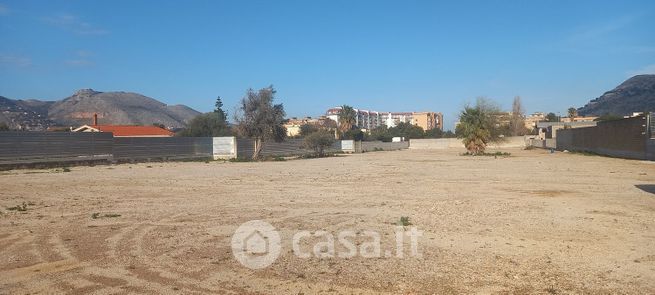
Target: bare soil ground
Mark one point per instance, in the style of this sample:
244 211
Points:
531 223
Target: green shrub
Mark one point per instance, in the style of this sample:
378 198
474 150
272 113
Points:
404 221
319 141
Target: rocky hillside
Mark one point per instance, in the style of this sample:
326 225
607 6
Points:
25 114
636 94
119 108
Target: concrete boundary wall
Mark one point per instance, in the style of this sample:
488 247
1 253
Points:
625 138
435 143
510 142
456 143
368 146
548 143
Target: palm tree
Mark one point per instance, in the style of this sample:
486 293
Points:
473 129
479 126
347 118
572 113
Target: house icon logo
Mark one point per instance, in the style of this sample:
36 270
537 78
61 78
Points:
256 244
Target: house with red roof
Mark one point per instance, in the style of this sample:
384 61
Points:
125 130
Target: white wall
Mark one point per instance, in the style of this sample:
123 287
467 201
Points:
435 143
456 143
224 147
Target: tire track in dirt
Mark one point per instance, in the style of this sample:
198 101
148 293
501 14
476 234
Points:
140 262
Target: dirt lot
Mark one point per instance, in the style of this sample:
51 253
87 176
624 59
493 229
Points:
531 223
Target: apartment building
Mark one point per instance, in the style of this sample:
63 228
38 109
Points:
293 125
368 120
428 120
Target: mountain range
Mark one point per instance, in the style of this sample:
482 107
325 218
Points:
636 94
115 108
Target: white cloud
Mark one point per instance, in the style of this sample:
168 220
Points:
15 60
647 70
74 24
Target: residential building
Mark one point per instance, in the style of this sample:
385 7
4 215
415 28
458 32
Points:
532 120
293 125
428 120
125 130
393 119
367 120
364 119
578 119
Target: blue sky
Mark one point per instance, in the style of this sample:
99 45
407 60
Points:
378 55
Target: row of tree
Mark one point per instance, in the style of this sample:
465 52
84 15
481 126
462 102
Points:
407 131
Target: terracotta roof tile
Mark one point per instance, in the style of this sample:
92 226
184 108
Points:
124 130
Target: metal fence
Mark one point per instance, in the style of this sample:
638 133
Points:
18 148
145 148
27 148
289 147
44 147
651 125
294 147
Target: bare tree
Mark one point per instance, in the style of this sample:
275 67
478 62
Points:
258 118
517 120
